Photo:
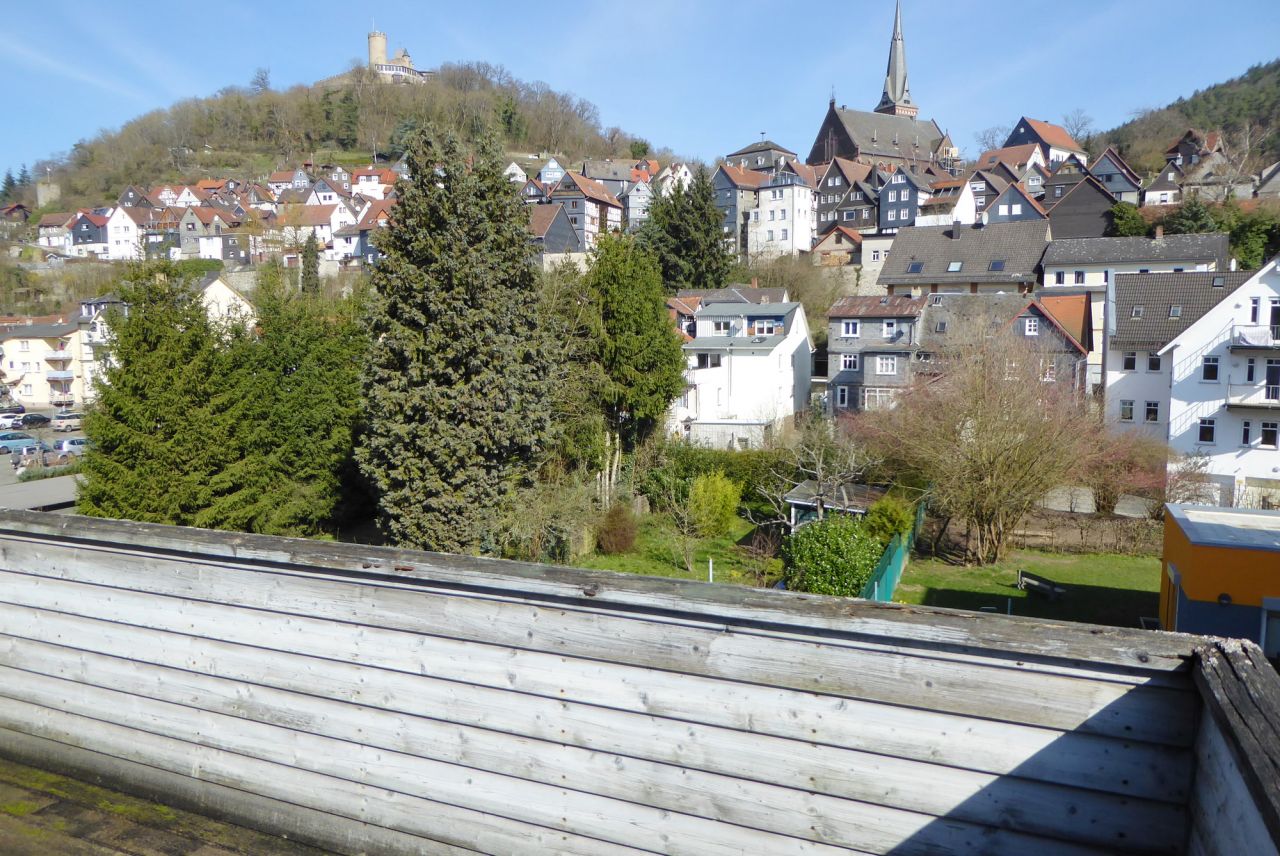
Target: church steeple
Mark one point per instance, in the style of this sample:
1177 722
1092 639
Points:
896 100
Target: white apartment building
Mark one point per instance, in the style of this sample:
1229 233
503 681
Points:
1213 389
750 365
785 219
44 364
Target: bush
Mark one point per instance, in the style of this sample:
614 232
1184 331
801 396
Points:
665 459
713 503
617 532
835 556
887 517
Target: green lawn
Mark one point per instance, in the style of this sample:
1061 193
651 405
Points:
1101 588
657 554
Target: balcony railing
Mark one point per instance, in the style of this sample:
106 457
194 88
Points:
57 356
60 375
64 399
1253 395
1265 336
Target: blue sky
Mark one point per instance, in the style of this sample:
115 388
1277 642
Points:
702 77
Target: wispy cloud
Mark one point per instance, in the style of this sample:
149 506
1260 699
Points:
116 46
93 77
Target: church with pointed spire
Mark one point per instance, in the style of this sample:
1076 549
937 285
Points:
893 134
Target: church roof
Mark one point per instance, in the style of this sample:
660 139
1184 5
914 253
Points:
896 90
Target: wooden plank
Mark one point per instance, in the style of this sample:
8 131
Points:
345 765
1080 760
1224 815
1004 802
272 816
1021 638
1242 694
1153 714
285 782
398 605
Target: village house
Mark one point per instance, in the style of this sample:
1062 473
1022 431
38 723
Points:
1053 141
847 197
840 246
1224 391
1004 257
1164 188
1150 310
553 237
636 200
880 346
784 220
764 156
1116 176
673 175
1065 175
127 233
89 237
42 364
1088 265
1015 203
592 209
551 173
355 242
288 179
737 191
54 232
899 198
201 222
1268 186
373 182
1017 158
1085 211
749 368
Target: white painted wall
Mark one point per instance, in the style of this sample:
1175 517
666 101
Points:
1139 385
784 222
1191 398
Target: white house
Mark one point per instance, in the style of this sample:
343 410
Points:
1223 390
127 233
785 219
673 175
1089 264
749 367
223 303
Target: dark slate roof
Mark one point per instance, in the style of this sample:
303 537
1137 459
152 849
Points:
1160 182
874 134
845 497
1156 292
762 146
37 331
1019 245
736 294
1171 248
894 306
737 310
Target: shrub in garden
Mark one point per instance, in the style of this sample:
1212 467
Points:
617 533
713 503
887 517
835 555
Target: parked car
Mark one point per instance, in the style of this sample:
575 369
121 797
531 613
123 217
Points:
12 407
71 446
32 420
11 420
66 420
16 441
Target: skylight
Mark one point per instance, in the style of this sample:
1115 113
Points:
1137 312
954 267
1175 311
1219 281
915 267
997 264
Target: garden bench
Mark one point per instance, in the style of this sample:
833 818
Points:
1040 585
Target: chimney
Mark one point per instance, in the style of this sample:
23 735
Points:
955 230
1159 233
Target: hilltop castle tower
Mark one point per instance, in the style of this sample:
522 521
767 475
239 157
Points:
896 100
377 49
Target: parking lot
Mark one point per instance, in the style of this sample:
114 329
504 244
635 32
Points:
45 434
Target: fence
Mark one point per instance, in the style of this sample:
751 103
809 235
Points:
884 579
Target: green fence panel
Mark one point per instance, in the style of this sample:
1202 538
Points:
884 579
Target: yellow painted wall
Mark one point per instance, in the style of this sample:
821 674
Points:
1247 575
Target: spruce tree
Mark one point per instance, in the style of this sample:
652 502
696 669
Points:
155 426
1126 221
1191 217
289 406
640 350
310 280
24 177
685 232
9 187
456 389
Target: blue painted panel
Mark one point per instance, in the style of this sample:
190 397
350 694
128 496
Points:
1214 619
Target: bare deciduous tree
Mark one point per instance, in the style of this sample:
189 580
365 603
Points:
990 434
1078 124
1242 150
819 451
993 137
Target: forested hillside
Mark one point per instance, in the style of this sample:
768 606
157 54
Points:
1253 99
248 131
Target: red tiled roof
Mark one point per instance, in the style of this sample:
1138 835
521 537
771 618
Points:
55 220
541 217
743 177
308 215
854 237
281 175
590 188
1012 155
1054 135
95 219
853 170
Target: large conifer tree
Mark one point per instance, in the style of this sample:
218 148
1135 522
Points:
685 232
456 387
154 426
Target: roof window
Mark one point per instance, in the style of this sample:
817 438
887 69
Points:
1175 311
935 300
997 265
940 327
1219 281
954 267
1137 312
915 267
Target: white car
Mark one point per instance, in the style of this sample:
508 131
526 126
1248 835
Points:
67 420
71 446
